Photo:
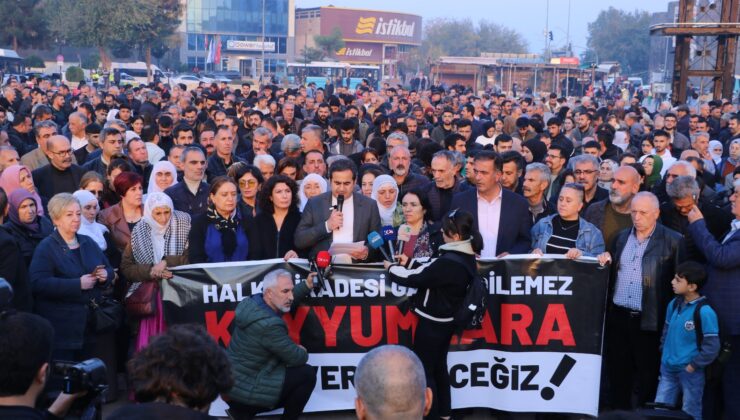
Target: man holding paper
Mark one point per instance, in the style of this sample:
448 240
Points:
329 220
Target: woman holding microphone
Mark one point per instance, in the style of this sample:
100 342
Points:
442 284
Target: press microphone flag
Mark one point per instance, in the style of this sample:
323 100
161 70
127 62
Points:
389 235
376 242
403 235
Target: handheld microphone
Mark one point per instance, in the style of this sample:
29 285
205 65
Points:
376 242
340 202
389 235
403 235
322 261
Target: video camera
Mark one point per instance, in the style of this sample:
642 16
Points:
75 377
83 376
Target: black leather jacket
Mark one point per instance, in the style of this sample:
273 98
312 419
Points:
663 254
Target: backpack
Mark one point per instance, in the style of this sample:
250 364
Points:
469 316
713 371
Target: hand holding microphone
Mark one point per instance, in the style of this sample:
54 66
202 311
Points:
403 236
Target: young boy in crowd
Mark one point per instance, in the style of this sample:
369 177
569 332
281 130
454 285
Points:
684 356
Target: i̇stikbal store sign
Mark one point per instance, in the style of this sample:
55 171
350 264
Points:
372 26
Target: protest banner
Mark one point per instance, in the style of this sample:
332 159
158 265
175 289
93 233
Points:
539 348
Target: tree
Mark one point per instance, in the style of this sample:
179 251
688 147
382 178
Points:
309 54
34 61
111 25
96 23
330 44
461 37
162 17
74 74
23 23
91 61
621 36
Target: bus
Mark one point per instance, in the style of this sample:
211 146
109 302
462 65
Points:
319 72
137 70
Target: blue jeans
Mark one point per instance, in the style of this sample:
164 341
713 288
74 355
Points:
690 384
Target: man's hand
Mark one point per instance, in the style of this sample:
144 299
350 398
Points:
290 255
604 258
335 221
537 251
402 259
360 254
63 403
690 368
309 279
694 214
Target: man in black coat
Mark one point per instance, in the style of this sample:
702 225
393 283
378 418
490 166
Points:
61 175
501 216
644 263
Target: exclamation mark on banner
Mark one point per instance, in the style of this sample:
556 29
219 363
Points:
558 377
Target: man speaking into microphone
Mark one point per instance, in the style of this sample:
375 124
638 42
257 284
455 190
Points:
328 219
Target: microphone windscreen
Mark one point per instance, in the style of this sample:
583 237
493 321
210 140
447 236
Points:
374 240
323 259
389 234
404 233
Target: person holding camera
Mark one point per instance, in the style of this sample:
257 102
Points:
442 284
25 353
68 271
270 370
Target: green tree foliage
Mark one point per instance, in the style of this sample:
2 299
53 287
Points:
91 61
310 54
162 17
330 43
24 24
34 62
621 36
74 74
107 25
461 37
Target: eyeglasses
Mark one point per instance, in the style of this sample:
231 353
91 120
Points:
67 152
250 183
96 192
579 172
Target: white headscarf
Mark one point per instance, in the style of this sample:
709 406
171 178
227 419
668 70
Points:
323 185
94 230
716 157
153 201
386 213
159 167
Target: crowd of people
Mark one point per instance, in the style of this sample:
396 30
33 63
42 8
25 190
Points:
103 191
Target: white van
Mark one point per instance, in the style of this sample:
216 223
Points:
137 70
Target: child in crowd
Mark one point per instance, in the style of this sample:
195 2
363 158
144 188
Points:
685 354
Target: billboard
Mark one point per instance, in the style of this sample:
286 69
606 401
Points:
372 26
360 52
235 45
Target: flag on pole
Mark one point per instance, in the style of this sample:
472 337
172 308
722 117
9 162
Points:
211 53
217 58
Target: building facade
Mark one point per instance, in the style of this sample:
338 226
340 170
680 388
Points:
371 37
220 35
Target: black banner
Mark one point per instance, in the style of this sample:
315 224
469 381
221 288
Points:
545 315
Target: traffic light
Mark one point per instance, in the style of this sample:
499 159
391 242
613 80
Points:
550 34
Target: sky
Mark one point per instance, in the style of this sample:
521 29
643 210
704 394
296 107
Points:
528 17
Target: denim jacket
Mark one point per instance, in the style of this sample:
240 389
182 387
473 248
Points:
590 241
